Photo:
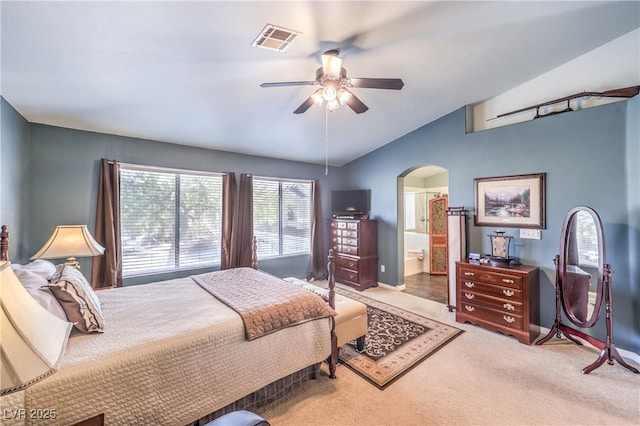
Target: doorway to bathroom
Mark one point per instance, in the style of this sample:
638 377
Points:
425 200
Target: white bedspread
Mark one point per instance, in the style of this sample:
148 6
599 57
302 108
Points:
170 354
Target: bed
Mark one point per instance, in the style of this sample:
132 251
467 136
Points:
171 353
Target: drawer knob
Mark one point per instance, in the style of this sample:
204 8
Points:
469 295
508 319
508 281
351 276
469 284
469 308
351 264
508 292
469 274
509 307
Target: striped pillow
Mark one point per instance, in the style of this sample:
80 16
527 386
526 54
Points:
79 301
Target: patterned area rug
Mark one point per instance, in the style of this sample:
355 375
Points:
396 341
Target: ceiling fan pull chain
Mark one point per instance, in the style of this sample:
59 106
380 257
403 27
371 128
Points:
326 141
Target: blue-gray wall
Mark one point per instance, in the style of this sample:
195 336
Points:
590 157
14 178
585 156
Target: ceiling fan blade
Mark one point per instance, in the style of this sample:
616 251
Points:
305 106
356 104
290 83
377 83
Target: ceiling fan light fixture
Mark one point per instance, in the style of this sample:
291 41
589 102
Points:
332 64
317 96
343 95
329 93
333 104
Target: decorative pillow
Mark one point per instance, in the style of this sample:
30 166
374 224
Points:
36 287
79 301
42 267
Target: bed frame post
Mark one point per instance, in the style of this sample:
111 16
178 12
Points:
4 243
333 358
254 252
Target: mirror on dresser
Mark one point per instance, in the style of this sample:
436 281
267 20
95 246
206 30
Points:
583 284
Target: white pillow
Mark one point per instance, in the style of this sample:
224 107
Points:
79 301
42 267
36 287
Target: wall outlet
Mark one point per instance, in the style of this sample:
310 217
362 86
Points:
533 234
381 268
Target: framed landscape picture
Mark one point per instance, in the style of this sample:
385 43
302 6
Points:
510 201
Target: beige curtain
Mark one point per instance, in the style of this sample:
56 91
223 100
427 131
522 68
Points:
242 231
317 269
107 269
229 201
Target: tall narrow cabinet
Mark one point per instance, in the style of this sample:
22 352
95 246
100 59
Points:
355 247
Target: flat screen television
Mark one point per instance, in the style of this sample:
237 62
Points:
351 201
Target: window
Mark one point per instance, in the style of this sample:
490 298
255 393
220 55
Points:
282 216
169 219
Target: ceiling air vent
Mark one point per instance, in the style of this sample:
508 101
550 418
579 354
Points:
275 38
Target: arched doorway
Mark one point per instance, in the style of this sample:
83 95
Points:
423 198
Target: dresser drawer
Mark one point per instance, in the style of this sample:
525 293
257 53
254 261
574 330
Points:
343 274
497 278
346 262
350 241
352 250
350 234
490 290
509 306
497 317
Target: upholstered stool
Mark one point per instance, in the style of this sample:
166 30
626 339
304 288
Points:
239 418
351 321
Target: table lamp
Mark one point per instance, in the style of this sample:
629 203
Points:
69 241
32 341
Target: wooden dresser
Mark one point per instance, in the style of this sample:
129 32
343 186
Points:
355 247
503 299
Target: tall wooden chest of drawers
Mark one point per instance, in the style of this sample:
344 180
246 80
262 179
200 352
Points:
355 248
503 299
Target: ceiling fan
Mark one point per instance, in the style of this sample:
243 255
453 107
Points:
335 85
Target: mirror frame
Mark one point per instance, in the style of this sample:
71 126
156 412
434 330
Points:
564 254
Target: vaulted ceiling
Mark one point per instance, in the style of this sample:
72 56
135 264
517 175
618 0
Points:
185 72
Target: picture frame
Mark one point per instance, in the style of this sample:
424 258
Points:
511 201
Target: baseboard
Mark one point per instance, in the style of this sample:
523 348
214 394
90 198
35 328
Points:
629 355
400 287
623 352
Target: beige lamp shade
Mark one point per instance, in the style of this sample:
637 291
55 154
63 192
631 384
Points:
32 341
69 241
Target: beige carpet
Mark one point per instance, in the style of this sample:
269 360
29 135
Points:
480 378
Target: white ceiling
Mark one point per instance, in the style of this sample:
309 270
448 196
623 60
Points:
185 72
